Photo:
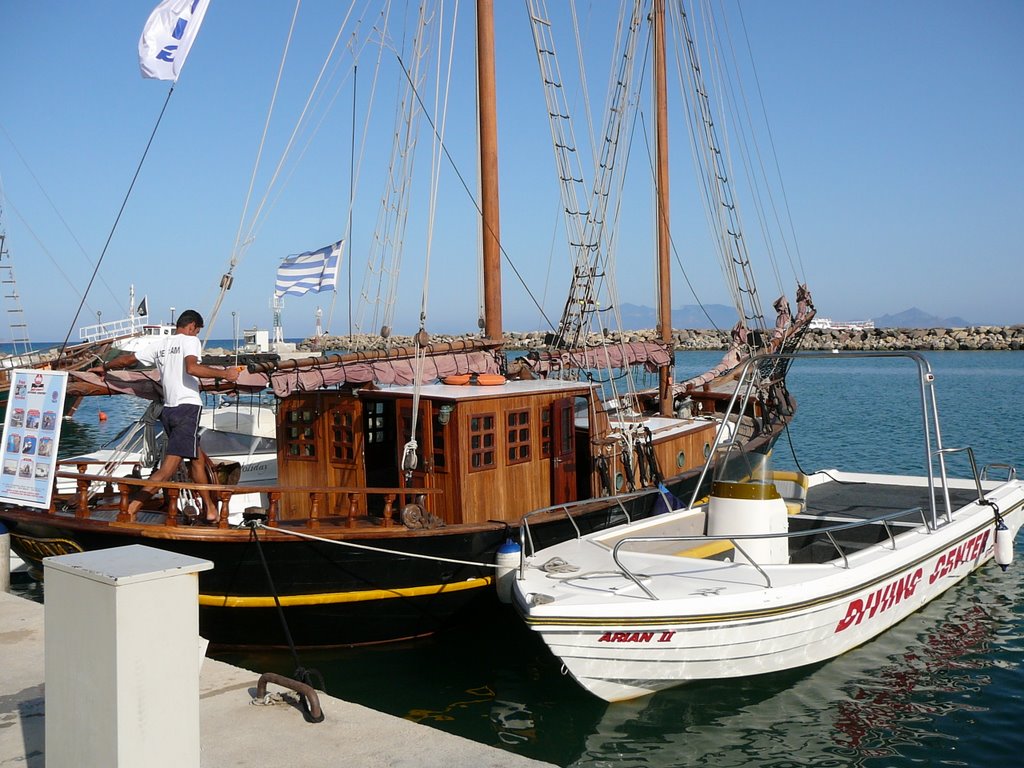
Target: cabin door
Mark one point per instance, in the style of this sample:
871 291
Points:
299 450
379 449
344 429
563 455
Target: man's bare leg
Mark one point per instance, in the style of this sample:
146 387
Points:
164 472
197 468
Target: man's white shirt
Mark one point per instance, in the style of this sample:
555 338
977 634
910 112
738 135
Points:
168 354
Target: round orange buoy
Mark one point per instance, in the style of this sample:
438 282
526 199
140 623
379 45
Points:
103 416
457 380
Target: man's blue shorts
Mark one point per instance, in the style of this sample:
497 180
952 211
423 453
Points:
181 426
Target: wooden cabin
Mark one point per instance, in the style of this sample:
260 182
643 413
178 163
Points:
495 452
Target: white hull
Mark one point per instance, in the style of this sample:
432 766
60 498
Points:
717 619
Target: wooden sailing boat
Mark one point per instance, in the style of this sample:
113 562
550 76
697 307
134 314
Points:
402 472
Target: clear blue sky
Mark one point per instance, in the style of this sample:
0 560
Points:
898 128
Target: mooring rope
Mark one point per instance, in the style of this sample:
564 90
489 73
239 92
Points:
311 677
378 549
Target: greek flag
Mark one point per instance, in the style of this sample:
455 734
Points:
167 37
311 271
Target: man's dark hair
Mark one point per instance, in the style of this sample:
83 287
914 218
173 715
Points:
189 316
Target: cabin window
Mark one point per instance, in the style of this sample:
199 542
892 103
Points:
545 433
343 436
482 442
565 442
517 435
299 433
376 423
442 418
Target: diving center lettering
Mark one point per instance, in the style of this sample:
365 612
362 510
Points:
895 591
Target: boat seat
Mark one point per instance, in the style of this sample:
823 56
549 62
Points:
706 550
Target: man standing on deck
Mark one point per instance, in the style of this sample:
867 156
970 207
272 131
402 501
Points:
177 358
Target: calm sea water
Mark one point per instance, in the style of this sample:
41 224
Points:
945 687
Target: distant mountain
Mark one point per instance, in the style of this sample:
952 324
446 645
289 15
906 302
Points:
915 318
636 317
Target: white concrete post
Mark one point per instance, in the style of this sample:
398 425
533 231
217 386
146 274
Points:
122 658
5 559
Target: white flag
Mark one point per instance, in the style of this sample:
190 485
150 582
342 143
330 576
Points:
311 271
167 37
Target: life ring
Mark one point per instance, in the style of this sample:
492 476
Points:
482 379
489 379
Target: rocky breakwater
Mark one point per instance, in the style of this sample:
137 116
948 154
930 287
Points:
933 339
986 337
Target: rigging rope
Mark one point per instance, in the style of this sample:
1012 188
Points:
801 274
226 280
99 261
56 210
476 206
241 244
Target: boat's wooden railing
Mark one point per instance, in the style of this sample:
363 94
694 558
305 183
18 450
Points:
324 501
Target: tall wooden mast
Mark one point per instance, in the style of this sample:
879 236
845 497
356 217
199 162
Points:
661 206
487 104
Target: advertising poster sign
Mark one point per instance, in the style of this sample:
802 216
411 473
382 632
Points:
31 436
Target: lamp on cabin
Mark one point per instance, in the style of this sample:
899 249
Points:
444 415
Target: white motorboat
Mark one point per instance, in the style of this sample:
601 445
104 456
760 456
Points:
772 571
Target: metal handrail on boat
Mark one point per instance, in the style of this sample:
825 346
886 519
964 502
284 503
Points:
1011 471
882 520
749 373
526 538
974 471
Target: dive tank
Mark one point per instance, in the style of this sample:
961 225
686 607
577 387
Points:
1004 544
507 562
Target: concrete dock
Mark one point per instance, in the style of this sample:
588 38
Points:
233 732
